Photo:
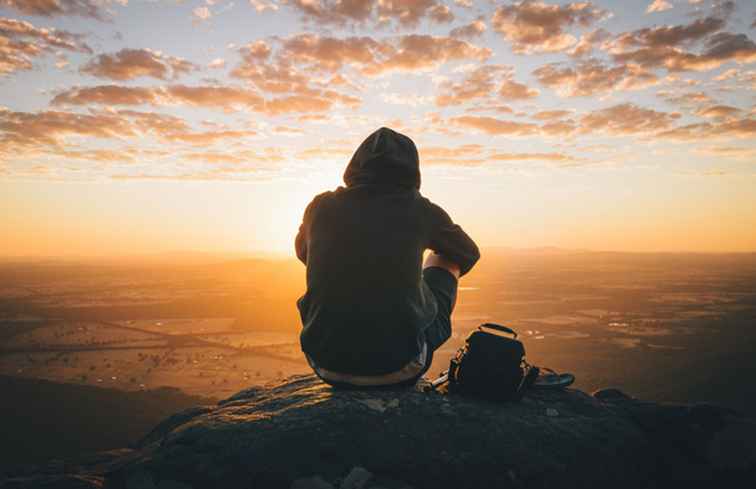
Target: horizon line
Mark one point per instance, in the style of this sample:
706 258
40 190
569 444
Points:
266 254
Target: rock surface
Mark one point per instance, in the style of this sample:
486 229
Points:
303 434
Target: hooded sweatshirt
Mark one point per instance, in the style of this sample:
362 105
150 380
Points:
366 305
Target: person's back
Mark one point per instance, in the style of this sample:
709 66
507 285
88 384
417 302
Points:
370 309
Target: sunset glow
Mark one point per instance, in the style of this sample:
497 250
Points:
152 126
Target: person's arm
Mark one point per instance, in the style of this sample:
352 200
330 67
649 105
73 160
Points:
300 242
450 241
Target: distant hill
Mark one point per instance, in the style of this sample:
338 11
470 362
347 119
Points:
40 419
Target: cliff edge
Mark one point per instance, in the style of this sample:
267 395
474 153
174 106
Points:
302 434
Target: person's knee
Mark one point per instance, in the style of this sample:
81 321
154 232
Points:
437 336
436 260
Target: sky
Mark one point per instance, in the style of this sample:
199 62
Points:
148 126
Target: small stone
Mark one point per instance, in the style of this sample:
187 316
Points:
356 479
314 482
374 404
551 412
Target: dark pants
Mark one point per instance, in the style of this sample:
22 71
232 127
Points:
444 287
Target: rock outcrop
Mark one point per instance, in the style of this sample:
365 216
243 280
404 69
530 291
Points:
303 434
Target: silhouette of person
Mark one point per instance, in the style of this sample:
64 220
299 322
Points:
373 313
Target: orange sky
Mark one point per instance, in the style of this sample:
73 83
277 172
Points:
146 127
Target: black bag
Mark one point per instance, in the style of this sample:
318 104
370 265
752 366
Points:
491 366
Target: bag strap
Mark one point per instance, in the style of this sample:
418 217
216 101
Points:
528 379
498 327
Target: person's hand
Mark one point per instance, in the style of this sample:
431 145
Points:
436 260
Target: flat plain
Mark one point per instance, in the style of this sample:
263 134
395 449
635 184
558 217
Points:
668 327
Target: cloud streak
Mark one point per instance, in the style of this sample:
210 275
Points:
405 13
534 26
215 97
128 64
53 8
21 43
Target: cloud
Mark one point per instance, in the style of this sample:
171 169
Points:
333 11
534 26
745 79
273 78
325 152
422 52
217 63
128 64
478 83
588 41
718 112
658 6
152 123
201 14
685 99
50 128
472 30
627 118
256 51
52 8
512 90
727 74
207 137
481 82
212 96
739 128
668 36
498 108
21 43
665 47
108 95
242 172
226 98
593 77
547 115
412 52
30 132
729 152
239 157
406 13
100 155
474 155
559 158
494 126
440 14
298 104
330 53
463 155
263 5
559 128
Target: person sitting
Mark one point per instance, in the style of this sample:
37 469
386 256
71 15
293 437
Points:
373 312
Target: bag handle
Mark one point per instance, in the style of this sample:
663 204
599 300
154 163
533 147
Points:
498 327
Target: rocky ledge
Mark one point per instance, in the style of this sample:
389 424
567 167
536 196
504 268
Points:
303 434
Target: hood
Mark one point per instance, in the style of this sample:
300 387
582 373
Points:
385 157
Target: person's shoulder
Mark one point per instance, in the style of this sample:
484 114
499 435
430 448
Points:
432 206
322 196
435 212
